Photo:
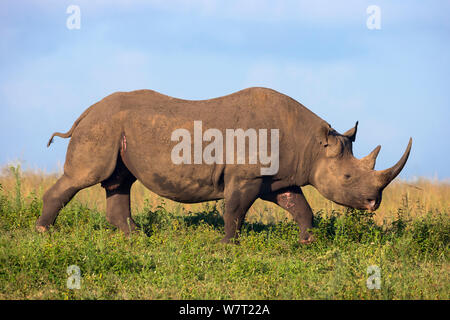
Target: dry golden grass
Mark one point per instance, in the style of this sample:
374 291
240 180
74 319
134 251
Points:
418 198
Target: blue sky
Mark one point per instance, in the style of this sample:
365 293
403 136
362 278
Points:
393 80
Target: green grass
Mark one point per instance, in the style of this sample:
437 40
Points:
179 256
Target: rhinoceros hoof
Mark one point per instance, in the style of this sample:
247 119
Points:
41 229
230 241
307 241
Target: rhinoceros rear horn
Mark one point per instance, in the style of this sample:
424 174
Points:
386 176
369 160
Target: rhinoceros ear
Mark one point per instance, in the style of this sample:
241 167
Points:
323 134
351 134
327 138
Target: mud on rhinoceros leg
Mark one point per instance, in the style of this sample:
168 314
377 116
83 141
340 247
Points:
293 200
239 197
118 187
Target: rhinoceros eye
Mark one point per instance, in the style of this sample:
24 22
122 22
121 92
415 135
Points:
347 176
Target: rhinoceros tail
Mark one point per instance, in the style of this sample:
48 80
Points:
68 134
59 134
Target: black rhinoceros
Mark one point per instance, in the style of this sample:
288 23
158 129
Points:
131 136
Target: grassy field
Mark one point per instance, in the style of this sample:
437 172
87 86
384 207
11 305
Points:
177 254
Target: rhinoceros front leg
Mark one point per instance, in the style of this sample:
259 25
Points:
239 197
293 200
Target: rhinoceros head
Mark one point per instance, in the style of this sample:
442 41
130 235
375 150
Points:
348 181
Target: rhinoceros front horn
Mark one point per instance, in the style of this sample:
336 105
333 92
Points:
386 176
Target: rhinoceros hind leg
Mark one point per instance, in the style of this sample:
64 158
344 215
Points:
55 198
117 188
81 170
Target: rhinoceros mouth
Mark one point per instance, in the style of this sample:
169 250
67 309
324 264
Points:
372 204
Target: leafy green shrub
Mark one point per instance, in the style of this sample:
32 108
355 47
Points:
357 226
150 220
431 233
75 214
350 226
209 215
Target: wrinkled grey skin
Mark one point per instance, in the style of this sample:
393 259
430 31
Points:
127 137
